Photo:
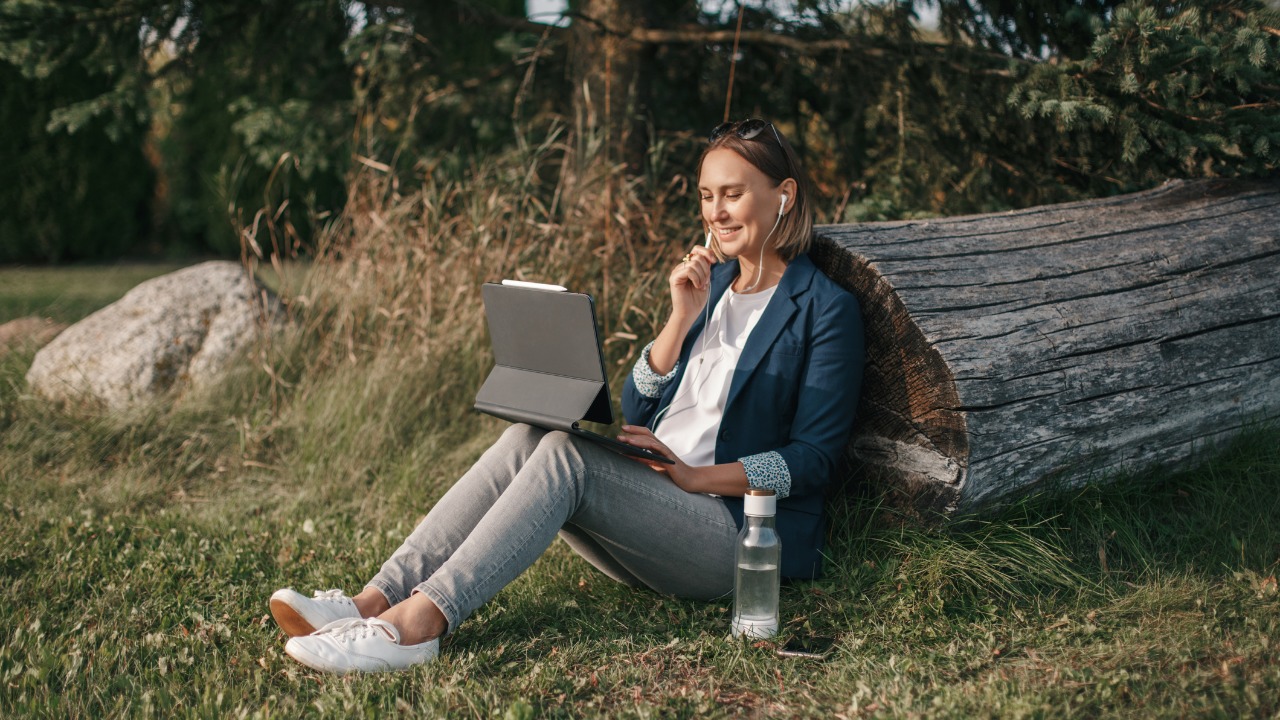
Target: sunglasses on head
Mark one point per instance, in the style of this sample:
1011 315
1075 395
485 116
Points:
745 129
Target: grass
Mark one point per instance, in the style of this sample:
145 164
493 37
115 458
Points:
67 294
137 550
137 556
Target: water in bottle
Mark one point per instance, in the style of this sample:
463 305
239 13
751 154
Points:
756 580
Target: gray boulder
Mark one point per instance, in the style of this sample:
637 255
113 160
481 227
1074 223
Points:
170 332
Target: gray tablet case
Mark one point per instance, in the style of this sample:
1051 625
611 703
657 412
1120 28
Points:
549 370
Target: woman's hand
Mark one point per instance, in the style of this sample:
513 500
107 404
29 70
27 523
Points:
684 476
690 283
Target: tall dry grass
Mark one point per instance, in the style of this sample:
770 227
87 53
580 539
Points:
397 274
389 343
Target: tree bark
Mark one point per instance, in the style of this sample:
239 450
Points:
1061 344
609 88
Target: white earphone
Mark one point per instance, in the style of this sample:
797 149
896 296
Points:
783 206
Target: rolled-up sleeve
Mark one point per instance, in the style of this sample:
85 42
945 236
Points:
768 471
649 383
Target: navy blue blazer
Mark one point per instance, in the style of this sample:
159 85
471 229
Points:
794 391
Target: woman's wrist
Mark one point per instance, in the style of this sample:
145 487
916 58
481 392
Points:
665 351
728 479
692 478
681 321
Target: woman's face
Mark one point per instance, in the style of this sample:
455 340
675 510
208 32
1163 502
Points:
739 203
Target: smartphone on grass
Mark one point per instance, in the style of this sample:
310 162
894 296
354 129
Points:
813 647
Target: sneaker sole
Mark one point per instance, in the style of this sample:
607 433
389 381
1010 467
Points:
289 620
317 662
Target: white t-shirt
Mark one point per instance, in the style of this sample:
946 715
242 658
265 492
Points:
692 420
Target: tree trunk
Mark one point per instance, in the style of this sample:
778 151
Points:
1061 344
609 88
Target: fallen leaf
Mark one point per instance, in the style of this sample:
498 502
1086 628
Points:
1267 586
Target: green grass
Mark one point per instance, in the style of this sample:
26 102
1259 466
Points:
137 550
67 294
137 554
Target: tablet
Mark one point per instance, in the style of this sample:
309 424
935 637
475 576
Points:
548 363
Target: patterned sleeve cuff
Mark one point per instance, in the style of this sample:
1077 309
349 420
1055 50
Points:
649 383
768 471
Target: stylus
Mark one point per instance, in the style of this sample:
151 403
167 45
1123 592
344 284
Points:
534 285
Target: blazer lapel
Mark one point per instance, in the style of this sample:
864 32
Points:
781 308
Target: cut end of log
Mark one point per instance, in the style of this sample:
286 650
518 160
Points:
917 477
907 431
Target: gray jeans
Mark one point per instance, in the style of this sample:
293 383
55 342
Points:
632 523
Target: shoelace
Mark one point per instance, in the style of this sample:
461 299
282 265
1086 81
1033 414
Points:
330 595
356 628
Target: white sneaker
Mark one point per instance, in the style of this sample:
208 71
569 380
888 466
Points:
298 614
359 645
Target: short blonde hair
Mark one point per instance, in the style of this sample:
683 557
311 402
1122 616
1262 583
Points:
771 154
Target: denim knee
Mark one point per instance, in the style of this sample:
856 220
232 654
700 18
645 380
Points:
563 445
522 432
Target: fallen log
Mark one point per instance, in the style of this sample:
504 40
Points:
1063 343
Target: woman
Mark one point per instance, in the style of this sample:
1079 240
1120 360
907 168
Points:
752 383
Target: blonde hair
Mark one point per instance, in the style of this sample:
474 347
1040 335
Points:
771 154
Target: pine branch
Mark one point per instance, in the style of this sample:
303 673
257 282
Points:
699 35
478 12
1242 15
819 47
703 36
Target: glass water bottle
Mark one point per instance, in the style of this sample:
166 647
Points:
755 583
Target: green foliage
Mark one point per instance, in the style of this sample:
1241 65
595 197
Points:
246 104
44 39
1006 105
255 118
74 125
1178 88
1027 30
1018 104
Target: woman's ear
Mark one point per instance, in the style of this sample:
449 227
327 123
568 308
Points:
790 189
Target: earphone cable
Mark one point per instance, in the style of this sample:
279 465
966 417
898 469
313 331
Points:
706 324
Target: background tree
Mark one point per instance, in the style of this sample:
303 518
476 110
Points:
243 118
69 193
211 91
1004 105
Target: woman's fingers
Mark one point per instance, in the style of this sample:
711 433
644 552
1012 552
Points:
705 253
641 437
693 274
690 280
636 435
694 268
701 258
